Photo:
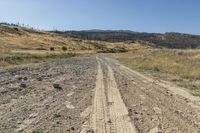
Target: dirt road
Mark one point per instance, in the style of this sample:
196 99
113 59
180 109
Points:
92 94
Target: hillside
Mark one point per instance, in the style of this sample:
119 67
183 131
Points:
18 38
20 45
170 40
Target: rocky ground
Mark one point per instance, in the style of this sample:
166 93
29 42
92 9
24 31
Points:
48 97
92 94
156 106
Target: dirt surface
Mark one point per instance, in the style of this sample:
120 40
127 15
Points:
46 97
92 94
156 106
109 114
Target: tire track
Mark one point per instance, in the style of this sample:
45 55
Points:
156 105
99 114
109 113
118 111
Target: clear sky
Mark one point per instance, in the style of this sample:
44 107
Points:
137 15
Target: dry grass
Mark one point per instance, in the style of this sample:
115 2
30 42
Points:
22 59
25 46
179 66
28 40
4 50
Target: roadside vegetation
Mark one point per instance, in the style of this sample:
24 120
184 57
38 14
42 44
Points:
20 45
178 66
10 60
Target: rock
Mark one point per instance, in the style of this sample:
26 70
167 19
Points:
57 86
23 85
142 97
154 130
39 78
34 115
13 73
19 122
135 112
86 112
178 111
157 110
169 93
19 78
69 105
57 115
130 112
90 131
47 106
109 121
25 78
70 94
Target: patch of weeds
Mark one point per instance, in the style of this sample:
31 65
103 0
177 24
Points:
113 50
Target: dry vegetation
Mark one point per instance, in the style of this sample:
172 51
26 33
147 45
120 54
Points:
21 46
178 66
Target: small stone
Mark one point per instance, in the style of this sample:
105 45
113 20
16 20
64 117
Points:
39 78
72 128
34 115
157 110
23 85
90 131
109 121
19 122
135 112
57 115
47 106
178 111
154 130
19 78
130 112
25 78
57 86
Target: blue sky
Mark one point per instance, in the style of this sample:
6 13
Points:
137 15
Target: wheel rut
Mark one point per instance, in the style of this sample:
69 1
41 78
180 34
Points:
109 114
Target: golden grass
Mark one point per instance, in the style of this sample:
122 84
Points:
4 50
23 59
179 66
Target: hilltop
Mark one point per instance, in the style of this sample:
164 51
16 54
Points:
170 39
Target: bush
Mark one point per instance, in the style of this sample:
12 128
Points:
114 50
64 48
52 48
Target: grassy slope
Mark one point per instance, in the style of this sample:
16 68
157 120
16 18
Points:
178 66
21 45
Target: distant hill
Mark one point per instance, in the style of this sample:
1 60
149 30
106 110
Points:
170 40
16 36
